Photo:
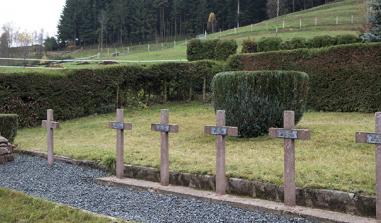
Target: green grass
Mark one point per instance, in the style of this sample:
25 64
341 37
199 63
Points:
331 159
18 207
9 70
326 15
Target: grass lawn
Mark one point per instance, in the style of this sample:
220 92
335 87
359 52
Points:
18 207
326 18
331 159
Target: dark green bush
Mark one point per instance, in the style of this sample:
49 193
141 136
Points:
211 49
249 46
294 43
269 44
322 41
225 48
201 49
343 78
8 126
81 92
255 101
347 39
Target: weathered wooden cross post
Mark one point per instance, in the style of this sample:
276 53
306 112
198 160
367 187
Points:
164 128
289 134
50 125
374 138
220 131
119 125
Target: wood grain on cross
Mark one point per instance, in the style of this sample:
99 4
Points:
289 134
375 139
220 131
164 128
120 126
50 125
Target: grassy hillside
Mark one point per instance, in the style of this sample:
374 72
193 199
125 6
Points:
326 16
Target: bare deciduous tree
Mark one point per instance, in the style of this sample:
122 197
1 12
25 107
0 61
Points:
102 21
25 40
276 8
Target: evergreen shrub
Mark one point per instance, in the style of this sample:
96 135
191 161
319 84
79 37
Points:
249 46
8 126
225 48
347 39
210 49
322 41
82 92
295 43
255 101
269 44
343 78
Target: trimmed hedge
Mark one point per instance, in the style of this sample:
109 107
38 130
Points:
295 43
347 39
225 49
201 49
76 93
249 46
322 41
255 101
269 44
344 78
8 126
275 43
210 49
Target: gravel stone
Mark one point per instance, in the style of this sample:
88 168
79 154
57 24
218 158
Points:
76 186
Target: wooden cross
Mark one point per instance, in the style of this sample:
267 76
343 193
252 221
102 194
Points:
374 138
120 126
289 134
164 128
220 131
50 125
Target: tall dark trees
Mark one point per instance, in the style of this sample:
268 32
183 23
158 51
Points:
89 22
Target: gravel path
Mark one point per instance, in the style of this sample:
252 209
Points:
76 186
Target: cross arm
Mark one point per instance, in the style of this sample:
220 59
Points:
369 138
221 130
120 125
50 124
302 134
165 128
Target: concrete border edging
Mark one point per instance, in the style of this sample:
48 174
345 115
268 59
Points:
251 204
332 200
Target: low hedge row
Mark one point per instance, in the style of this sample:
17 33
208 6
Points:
76 93
343 78
211 49
254 101
276 43
8 126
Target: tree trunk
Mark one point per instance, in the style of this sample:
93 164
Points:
204 90
277 8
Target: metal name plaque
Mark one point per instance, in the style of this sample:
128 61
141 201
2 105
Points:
118 125
219 131
287 134
162 128
374 138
